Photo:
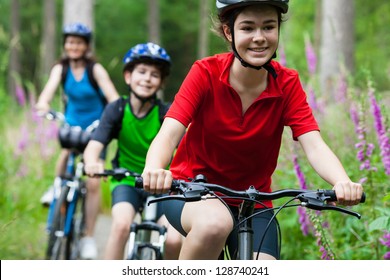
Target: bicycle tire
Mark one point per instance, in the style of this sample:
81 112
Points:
144 253
58 243
78 227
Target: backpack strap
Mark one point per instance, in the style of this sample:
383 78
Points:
92 80
65 69
91 77
162 109
118 121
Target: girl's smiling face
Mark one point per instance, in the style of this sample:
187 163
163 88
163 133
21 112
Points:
256 33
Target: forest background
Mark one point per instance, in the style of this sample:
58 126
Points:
351 105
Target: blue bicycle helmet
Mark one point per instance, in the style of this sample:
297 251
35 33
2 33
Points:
78 29
225 5
149 53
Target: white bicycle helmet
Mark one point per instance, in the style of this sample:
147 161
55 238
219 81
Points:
225 5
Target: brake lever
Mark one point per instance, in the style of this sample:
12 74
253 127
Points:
313 201
188 192
343 210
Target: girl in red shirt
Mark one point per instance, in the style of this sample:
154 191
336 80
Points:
232 109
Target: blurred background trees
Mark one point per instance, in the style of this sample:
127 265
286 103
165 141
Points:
348 35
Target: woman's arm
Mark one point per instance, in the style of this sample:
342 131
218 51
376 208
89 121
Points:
105 83
47 94
329 167
156 178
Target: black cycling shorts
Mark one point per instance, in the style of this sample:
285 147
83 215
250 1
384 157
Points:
270 244
136 197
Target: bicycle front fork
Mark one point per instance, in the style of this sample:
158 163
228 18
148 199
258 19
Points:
140 238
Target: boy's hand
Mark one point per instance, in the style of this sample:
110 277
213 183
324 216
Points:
91 169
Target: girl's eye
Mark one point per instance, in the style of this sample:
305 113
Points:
269 27
246 28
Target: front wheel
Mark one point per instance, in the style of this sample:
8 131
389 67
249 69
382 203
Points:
58 244
142 252
78 221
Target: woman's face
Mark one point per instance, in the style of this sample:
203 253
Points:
256 34
75 47
144 80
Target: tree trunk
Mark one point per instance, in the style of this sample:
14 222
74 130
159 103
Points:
337 42
14 61
48 49
203 44
154 29
154 21
79 11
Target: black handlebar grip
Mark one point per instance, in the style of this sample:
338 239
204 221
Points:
331 194
139 182
333 197
363 198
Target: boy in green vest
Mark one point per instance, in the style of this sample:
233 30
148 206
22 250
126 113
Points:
134 122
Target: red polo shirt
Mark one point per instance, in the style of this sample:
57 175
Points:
230 148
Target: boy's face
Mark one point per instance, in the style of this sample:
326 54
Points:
144 80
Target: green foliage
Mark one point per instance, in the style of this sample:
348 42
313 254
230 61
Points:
123 24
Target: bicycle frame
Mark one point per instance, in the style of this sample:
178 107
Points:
66 219
73 227
245 231
198 189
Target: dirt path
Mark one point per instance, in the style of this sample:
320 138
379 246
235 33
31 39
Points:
101 233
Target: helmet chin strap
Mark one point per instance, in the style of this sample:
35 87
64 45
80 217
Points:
143 100
267 66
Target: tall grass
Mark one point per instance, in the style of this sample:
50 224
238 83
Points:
365 157
29 152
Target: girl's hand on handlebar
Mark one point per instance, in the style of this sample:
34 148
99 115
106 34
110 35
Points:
348 193
157 181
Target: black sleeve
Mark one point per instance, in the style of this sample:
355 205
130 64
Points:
110 123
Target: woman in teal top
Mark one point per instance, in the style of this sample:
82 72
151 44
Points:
134 122
87 89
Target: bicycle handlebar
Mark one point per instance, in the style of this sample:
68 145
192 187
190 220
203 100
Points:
52 115
198 188
118 173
